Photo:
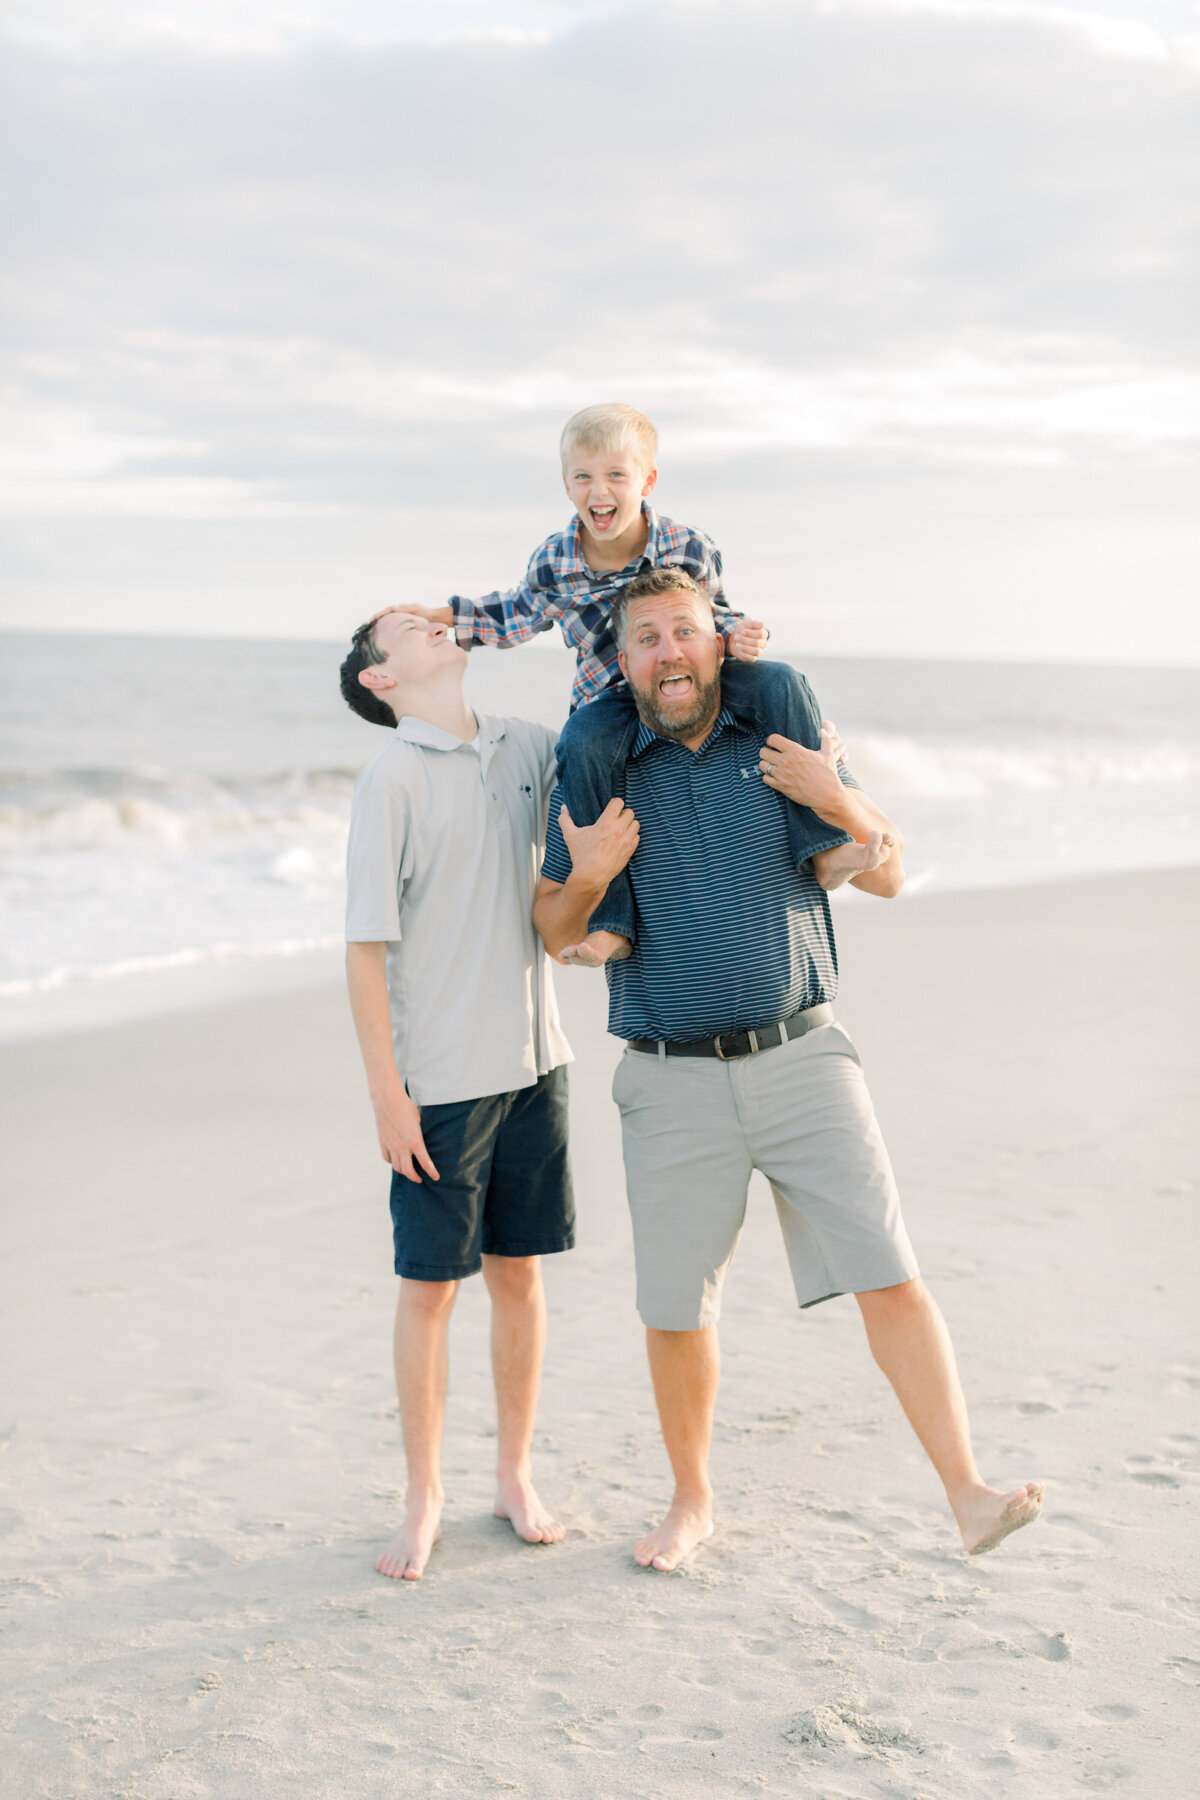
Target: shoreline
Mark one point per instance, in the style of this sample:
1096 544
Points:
202 1456
95 1001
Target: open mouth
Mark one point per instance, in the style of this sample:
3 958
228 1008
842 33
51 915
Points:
675 687
602 516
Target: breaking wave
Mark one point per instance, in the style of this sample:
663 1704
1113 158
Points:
905 765
56 979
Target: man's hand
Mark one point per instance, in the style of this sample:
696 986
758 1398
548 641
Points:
809 777
747 640
398 1122
600 851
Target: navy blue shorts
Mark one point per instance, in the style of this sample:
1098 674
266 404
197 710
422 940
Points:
505 1187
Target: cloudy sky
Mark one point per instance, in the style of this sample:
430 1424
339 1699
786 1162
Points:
298 295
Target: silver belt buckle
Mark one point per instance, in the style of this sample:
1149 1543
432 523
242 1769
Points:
750 1036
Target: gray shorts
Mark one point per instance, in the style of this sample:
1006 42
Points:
693 1130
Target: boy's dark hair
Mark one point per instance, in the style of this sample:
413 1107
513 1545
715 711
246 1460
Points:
364 654
654 581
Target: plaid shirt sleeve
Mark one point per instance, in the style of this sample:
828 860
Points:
702 560
513 615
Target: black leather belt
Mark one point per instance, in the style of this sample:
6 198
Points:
731 1045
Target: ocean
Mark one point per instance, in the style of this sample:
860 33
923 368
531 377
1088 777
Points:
173 805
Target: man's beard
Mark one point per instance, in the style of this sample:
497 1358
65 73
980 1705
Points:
706 704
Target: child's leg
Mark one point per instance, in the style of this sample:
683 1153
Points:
772 697
422 1322
592 749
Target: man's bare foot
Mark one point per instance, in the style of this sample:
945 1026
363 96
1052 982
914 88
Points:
986 1516
687 1524
596 949
517 1502
833 867
406 1555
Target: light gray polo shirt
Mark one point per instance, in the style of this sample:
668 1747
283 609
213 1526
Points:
446 842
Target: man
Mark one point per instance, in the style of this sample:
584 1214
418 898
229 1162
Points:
465 1061
734 1061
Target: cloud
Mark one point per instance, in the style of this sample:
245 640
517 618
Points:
312 260
240 28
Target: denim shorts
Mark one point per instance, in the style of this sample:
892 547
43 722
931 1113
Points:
504 1188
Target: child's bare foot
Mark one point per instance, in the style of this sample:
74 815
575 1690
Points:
596 949
833 867
406 1555
517 1502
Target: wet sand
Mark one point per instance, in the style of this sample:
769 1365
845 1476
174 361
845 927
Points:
201 1455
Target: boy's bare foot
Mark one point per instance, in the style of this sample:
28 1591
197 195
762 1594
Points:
986 1516
517 1502
687 1524
406 1555
596 949
833 867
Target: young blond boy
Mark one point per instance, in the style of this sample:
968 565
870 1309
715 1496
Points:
609 466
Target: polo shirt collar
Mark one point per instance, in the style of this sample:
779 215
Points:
646 736
433 737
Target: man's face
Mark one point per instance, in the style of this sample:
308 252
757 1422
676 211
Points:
672 661
415 652
606 488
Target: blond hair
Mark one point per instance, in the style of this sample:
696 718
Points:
609 427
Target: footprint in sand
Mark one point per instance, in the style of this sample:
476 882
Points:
1114 1712
1150 1472
1035 1737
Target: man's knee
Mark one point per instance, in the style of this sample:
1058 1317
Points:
907 1299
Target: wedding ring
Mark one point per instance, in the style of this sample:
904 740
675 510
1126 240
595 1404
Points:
770 768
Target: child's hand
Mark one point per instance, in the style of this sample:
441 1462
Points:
408 606
831 742
747 640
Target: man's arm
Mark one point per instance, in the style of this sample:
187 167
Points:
561 909
397 1116
810 777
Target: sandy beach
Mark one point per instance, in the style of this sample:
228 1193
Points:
201 1452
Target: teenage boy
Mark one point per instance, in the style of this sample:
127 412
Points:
734 1061
466 1064
609 468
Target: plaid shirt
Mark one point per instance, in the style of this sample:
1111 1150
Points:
560 589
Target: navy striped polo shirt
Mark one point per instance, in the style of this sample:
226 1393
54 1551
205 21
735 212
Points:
730 934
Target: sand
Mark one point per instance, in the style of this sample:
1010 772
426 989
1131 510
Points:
201 1449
